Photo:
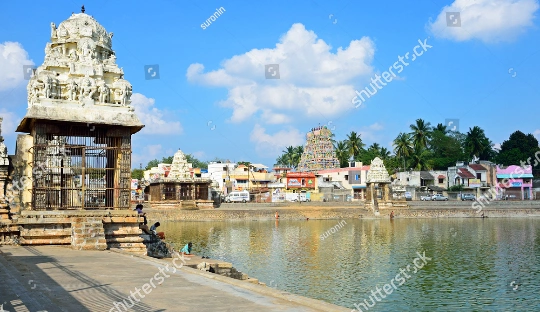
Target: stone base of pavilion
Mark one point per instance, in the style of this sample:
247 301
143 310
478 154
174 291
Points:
81 229
198 204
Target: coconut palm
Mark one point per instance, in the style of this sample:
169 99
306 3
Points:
420 134
420 159
403 146
354 144
342 153
476 143
384 153
297 155
288 156
442 128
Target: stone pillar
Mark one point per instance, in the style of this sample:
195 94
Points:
386 189
88 233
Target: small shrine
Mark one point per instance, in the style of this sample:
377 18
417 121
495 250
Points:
72 164
175 185
377 182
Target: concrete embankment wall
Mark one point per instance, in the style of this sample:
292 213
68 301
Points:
257 214
464 211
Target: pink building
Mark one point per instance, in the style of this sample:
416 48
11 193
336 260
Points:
514 182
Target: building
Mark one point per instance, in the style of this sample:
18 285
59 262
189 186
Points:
474 178
76 148
352 178
178 185
419 183
220 173
319 151
514 183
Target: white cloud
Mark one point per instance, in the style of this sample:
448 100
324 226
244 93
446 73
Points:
9 124
152 117
273 144
369 133
536 134
199 155
486 20
150 152
12 58
314 81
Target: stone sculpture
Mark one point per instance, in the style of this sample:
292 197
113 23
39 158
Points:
81 53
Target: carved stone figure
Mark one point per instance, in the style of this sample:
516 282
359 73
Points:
48 85
103 92
72 89
53 30
111 60
87 88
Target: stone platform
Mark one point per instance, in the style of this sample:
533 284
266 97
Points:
80 229
46 278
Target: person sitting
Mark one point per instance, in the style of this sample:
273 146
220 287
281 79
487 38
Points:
187 249
139 209
153 229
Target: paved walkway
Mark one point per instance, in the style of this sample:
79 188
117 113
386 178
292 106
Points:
61 279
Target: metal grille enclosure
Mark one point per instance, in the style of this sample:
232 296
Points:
84 167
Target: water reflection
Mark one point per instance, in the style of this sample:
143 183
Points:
474 261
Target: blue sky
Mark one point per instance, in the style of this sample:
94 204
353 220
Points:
212 98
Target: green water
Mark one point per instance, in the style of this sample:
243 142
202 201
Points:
476 264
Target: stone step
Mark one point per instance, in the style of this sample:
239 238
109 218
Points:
46 241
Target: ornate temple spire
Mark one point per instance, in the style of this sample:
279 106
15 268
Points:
80 73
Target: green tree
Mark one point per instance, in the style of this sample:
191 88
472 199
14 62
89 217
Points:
403 147
342 154
297 155
421 159
137 174
477 144
354 145
517 149
420 134
446 149
151 164
441 128
196 163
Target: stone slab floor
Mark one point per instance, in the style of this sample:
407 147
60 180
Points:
47 278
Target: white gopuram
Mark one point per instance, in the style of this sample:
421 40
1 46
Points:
79 80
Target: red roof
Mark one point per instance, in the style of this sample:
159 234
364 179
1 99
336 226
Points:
466 174
441 177
477 167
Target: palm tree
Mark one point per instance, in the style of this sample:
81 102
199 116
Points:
442 128
384 153
297 155
420 133
420 159
403 146
476 142
342 153
354 144
288 156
